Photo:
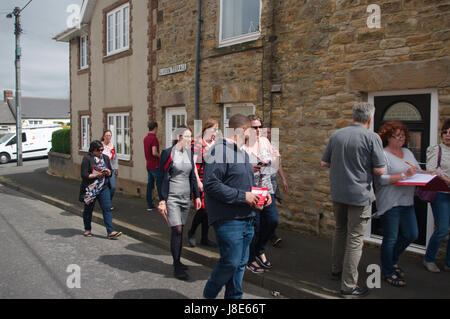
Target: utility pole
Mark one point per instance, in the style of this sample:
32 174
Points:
17 31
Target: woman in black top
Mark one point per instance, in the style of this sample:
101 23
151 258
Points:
95 173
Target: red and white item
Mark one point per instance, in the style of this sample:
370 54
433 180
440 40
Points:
261 191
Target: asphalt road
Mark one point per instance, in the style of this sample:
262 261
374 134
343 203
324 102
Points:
44 255
26 162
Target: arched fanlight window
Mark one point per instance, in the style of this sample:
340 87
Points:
402 111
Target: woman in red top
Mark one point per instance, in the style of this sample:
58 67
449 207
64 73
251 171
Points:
201 146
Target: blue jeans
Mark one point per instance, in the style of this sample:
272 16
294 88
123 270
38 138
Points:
441 213
265 223
112 183
399 230
104 199
153 175
233 238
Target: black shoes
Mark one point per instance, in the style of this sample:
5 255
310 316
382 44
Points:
358 292
180 272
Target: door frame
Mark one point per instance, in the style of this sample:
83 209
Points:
434 119
169 111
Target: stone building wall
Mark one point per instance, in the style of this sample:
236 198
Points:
326 60
313 61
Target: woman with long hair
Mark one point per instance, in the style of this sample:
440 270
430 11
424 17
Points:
200 147
438 156
110 150
178 184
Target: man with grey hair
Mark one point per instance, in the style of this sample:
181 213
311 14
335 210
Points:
353 154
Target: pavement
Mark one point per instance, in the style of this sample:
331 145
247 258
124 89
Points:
301 264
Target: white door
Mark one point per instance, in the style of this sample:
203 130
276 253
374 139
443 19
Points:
175 116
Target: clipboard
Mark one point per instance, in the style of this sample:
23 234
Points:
417 180
427 182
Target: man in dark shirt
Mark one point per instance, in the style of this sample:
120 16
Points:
151 150
228 180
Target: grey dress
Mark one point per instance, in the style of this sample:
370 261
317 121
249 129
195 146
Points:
179 200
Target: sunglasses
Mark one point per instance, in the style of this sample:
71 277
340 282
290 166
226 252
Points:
257 127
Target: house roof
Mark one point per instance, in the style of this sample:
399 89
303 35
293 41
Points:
42 108
6 117
86 12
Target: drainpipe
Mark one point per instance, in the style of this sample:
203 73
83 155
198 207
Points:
197 63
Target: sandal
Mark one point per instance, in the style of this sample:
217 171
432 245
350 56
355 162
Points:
114 235
399 272
87 234
396 282
266 264
255 269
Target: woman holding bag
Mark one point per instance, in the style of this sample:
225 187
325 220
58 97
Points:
95 173
439 156
178 184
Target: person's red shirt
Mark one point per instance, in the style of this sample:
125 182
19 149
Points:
149 141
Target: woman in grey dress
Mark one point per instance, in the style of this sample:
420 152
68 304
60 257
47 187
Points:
178 184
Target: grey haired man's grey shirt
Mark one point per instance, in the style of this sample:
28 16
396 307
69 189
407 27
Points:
353 152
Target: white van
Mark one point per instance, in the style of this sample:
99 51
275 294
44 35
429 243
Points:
36 142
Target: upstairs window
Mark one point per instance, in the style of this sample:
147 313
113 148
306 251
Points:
84 52
239 21
118 29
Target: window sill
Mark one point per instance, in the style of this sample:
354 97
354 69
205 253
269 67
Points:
83 71
117 55
236 48
239 40
128 162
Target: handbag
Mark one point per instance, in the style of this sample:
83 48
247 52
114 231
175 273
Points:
429 196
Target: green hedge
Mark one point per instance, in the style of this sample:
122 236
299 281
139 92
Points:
61 141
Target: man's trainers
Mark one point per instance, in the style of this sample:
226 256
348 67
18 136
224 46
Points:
355 293
150 209
432 267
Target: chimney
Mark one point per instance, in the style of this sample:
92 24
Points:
7 94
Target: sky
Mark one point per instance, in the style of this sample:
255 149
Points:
44 62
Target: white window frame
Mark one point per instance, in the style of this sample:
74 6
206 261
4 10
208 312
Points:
173 111
119 32
84 52
35 122
231 105
113 127
241 38
85 132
